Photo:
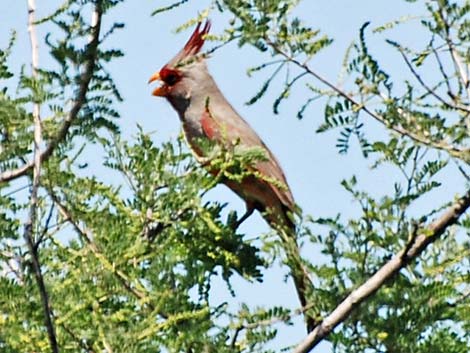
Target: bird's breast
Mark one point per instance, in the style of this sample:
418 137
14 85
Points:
194 132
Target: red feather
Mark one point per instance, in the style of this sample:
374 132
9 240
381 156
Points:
167 75
196 41
209 125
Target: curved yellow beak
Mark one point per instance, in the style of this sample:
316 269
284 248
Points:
159 91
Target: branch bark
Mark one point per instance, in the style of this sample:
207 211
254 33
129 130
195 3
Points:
77 104
389 270
32 216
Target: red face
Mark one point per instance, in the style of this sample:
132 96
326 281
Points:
170 77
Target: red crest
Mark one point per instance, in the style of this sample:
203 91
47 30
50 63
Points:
196 41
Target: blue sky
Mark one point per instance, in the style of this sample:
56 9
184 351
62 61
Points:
313 167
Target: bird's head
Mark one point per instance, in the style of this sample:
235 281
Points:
184 71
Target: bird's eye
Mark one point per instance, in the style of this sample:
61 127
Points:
171 79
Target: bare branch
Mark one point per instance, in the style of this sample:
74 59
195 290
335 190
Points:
391 268
32 217
77 104
441 145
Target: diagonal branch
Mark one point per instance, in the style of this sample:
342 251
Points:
32 216
389 270
94 249
441 145
78 102
86 235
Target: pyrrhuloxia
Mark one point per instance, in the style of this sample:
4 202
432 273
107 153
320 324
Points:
207 115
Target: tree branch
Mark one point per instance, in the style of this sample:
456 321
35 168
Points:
77 104
444 74
441 145
390 269
85 234
429 89
454 54
32 216
80 342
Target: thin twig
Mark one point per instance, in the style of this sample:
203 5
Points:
443 71
14 191
86 235
462 170
11 265
429 89
268 322
77 104
457 60
385 273
442 145
32 216
81 342
46 228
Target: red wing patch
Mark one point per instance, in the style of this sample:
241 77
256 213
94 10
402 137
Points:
209 125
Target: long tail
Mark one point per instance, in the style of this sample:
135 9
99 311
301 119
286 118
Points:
303 285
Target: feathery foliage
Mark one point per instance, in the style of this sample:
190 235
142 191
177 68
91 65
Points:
130 252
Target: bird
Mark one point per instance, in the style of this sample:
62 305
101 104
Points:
206 115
